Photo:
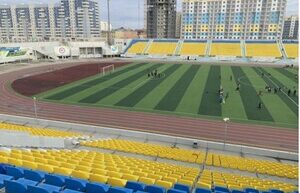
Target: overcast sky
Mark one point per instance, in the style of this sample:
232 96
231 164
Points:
124 13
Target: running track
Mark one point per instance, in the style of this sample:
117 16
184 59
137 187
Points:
252 135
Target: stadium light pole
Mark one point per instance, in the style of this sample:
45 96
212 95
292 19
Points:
226 120
108 21
35 109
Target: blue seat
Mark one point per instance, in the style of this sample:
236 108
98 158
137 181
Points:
202 190
3 168
96 187
4 177
176 191
55 180
155 189
119 190
140 192
67 191
43 188
237 191
15 172
251 190
76 184
34 175
135 186
18 186
221 189
182 187
276 191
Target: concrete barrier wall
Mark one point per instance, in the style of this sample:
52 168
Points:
153 137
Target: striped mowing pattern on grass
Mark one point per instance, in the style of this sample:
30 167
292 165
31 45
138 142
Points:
136 96
274 83
174 96
287 73
209 103
81 87
95 97
250 98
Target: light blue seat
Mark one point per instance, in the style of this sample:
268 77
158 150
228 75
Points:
4 177
76 184
18 186
43 188
140 192
119 190
202 190
34 175
55 180
176 191
154 189
182 187
15 172
135 186
96 187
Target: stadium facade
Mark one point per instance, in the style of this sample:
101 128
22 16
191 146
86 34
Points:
69 19
233 19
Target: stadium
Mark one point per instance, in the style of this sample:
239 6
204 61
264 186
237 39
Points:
149 115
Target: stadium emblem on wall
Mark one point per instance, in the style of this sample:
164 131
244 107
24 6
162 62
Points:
62 50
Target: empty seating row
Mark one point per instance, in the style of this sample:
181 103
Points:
213 159
291 50
148 149
253 165
262 50
137 48
226 182
226 49
20 180
100 167
193 49
39 131
162 48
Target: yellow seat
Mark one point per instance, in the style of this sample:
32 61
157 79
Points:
98 178
63 171
130 177
146 180
114 174
164 184
116 182
186 182
3 160
15 162
99 171
45 167
31 165
80 174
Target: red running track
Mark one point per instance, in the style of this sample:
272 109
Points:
252 135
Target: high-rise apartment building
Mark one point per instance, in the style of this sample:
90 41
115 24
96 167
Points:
178 25
232 19
291 28
69 19
161 18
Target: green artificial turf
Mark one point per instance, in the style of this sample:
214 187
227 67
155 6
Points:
189 90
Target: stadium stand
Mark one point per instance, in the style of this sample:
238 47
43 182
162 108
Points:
39 131
100 167
193 48
291 50
212 159
227 182
226 48
148 149
162 47
262 49
137 47
253 165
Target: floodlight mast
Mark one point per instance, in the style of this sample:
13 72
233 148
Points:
108 21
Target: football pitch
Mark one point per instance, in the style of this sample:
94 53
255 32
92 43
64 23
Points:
190 90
